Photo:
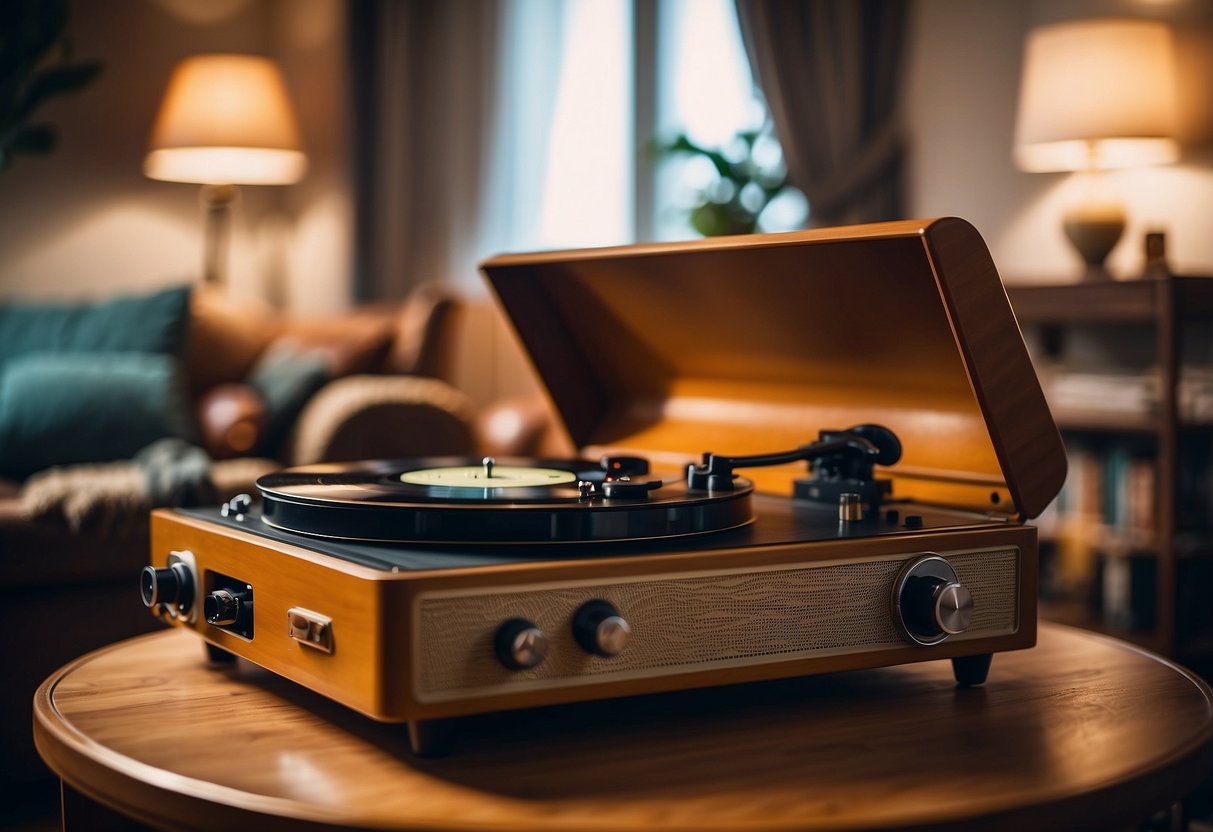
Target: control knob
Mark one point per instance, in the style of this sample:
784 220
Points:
929 602
600 629
520 645
173 585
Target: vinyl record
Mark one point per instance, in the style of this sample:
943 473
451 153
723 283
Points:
456 500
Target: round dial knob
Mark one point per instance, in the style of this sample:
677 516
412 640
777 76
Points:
952 608
929 602
600 629
168 585
520 644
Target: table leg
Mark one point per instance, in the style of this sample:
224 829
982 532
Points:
432 737
80 812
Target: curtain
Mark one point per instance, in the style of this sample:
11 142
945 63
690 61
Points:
830 71
422 75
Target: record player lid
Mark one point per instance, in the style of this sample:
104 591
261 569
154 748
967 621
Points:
753 344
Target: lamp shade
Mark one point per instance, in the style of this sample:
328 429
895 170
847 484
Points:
226 120
1097 94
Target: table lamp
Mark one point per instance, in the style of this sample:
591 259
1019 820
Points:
1097 94
225 120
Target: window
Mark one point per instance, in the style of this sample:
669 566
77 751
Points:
567 153
587 194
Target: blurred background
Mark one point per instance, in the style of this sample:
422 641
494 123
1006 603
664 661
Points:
437 134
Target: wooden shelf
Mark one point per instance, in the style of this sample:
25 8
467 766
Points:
1115 542
1084 302
1168 309
1128 301
1105 421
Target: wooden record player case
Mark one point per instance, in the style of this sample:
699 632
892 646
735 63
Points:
740 345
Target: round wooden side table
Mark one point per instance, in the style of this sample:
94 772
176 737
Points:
1081 732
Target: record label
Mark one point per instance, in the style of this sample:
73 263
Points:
481 476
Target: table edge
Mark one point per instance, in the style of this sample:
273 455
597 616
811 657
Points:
83 762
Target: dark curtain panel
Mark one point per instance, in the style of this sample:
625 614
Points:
830 71
421 74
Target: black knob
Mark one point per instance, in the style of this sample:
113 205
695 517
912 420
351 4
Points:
225 606
600 629
918 605
929 602
168 585
520 645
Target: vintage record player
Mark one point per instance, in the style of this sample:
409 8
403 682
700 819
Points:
801 453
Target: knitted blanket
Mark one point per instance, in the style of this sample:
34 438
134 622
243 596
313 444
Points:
113 499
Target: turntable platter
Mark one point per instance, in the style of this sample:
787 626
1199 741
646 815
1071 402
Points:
460 501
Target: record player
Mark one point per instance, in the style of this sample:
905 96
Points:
800 453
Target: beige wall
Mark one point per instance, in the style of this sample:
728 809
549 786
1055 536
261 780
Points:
85 221
961 91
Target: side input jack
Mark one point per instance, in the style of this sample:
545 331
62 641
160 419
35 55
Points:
229 604
171 589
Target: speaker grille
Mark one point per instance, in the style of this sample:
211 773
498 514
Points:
684 622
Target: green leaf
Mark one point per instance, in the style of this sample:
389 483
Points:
57 80
28 29
35 139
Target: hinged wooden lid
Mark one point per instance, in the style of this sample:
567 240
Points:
753 344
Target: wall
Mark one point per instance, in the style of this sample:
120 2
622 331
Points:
961 91
85 221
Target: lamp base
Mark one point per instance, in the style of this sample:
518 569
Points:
217 200
1094 230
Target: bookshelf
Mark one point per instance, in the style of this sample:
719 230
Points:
1127 548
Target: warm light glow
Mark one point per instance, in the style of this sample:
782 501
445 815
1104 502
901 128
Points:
226 119
1097 94
587 194
711 90
226 165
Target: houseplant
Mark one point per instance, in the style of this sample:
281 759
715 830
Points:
35 65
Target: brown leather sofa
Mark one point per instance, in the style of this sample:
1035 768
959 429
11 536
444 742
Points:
69 582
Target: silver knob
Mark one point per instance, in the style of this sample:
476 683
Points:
520 645
612 635
600 629
953 608
928 602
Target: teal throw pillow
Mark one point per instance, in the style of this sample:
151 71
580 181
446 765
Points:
150 323
67 408
286 376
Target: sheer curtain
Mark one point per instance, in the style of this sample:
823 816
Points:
830 71
486 126
423 78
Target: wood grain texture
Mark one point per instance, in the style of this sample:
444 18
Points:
706 621
1079 733
745 344
378 662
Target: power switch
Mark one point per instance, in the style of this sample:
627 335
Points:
310 628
